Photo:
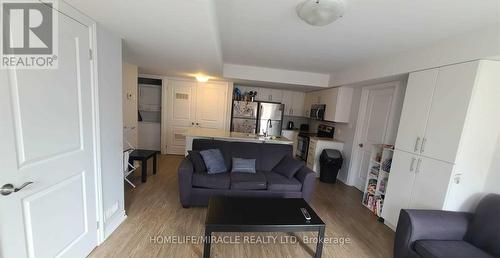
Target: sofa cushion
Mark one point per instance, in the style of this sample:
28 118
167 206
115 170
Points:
248 181
445 249
214 181
245 150
280 183
197 161
288 166
271 154
214 161
484 230
223 146
243 165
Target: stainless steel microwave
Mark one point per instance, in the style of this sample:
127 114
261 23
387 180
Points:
318 112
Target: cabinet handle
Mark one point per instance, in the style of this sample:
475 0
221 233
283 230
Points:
418 166
412 163
417 142
423 145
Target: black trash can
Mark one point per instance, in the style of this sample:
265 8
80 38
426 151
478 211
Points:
330 163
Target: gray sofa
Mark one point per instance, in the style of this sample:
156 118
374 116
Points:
195 189
433 233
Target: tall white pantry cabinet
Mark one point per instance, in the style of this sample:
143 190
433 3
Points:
446 139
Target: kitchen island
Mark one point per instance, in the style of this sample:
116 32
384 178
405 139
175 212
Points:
203 133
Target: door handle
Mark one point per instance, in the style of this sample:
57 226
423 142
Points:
423 145
412 163
417 142
418 166
9 188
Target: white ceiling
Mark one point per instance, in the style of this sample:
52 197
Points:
175 37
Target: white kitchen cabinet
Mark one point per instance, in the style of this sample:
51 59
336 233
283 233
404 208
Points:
456 154
287 100
338 103
311 98
448 111
298 103
431 184
398 192
416 182
275 95
416 110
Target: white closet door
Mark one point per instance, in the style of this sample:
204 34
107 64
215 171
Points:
181 113
448 111
416 110
211 99
431 184
399 187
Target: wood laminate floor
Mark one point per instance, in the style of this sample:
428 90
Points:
154 212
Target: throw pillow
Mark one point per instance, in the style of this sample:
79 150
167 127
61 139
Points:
288 166
197 160
243 165
214 161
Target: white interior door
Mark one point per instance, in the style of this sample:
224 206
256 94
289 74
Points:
399 186
416 110
376 112
211 99
181 110
47 137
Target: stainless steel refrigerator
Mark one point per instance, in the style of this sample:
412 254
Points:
270 118
244 118
253 117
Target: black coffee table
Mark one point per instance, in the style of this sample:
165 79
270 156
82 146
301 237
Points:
235 214
143 156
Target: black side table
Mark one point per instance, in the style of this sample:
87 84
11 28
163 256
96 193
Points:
143 156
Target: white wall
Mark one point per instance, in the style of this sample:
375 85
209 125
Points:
480 44
130 126
345 132
109 65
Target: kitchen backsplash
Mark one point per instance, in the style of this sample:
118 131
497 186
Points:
297 121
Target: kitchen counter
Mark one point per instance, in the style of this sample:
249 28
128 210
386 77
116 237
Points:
325 139
197 133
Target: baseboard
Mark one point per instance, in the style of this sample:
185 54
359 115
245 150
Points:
113 223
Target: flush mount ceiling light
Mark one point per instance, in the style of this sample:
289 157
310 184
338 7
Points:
202 78
320 12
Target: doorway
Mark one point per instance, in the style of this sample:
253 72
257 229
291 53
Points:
377 123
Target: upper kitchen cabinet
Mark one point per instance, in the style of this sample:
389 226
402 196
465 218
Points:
294 103
298 103
338 103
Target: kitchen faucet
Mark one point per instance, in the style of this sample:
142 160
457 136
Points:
268 125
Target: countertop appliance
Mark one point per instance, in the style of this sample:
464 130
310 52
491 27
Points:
318 112
303 139
257 117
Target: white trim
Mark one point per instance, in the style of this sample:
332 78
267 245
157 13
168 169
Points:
114 223
99 188
359 124
75 14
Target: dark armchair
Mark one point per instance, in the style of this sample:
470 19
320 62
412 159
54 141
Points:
433 233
